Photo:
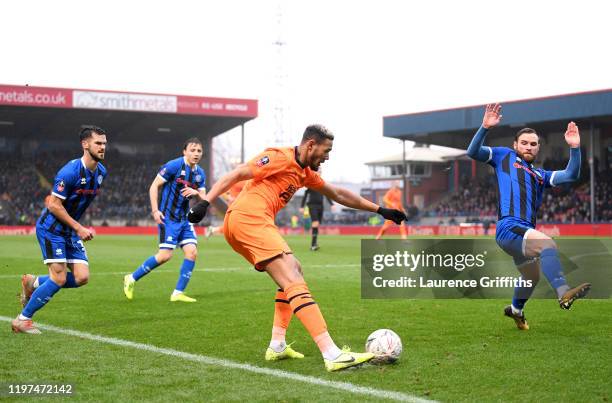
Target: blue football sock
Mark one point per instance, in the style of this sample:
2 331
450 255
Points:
42 279
551 267
40 297
521 295
145 268
70 281
185 275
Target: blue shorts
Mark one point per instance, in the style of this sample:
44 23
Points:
61 249
173 233
510 236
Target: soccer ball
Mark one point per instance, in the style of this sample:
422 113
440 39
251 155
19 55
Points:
386 346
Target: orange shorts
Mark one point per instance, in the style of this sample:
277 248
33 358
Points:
254 237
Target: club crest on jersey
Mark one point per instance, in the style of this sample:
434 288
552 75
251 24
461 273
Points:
183 173
83 181
100 179
198 178
263 161
61 186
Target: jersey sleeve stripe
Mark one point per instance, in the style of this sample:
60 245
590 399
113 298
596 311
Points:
552 177
59 196
490 154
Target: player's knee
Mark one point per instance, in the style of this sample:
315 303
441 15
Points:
163 256
58 278
546 244
298 268
191 254
81 279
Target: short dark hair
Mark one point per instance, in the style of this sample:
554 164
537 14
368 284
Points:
317 132
191 140
526 130
87 131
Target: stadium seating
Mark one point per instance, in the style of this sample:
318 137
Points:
124 200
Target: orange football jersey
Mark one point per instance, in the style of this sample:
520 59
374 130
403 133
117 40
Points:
276 177
393 198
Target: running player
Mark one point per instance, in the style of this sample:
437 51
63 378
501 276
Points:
274 176
520 187
58 231
393 200
179 180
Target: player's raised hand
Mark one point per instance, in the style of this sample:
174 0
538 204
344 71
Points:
572 135
492 116
85 234
158 216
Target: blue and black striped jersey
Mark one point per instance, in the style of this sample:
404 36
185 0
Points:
520 185
177 173
77 186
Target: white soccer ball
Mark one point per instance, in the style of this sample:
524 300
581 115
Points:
386 346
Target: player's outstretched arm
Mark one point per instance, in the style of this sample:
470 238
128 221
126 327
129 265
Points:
56 208
571 173
240 173
350 199
491 118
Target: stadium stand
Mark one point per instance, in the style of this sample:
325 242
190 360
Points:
125 200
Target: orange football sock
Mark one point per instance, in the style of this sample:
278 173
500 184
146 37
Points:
282 316
308 312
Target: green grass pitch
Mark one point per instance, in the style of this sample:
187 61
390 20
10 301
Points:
454 350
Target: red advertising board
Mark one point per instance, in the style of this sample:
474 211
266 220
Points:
216 106
15 95
35 96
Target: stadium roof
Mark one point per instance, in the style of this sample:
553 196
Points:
55 112
422 154
450 127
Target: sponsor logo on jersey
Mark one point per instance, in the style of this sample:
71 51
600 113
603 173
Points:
83 181
535 174
288 193
263 161
186 183
88 192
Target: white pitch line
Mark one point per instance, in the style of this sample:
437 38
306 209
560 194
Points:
577 257
345 386
211 269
